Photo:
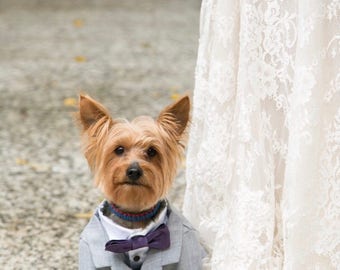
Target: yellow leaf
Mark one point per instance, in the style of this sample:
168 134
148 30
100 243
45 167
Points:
21 161
40 167
70 102
87 215
80 59
175 96
78 23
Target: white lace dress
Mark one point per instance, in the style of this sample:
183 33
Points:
263 164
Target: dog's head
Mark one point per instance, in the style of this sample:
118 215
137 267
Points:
134 163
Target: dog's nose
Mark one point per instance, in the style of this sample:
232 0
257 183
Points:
134 172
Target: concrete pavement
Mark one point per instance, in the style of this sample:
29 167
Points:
131 55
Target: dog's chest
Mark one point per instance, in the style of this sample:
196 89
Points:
133 258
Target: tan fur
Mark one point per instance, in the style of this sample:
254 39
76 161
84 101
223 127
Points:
102 135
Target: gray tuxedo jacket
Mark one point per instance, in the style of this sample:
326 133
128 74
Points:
185 252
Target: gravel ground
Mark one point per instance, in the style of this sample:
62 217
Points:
131 55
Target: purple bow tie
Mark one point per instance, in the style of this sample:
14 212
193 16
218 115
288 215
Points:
157 239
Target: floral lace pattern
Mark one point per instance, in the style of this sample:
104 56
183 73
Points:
263 163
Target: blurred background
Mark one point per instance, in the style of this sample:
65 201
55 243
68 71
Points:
133 56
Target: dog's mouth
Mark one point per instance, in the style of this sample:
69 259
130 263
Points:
132 183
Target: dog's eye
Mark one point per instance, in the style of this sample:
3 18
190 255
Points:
151 152
119 150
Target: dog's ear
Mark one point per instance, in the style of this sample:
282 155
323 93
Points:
91 111
176 116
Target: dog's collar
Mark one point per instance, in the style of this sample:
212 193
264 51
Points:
135 217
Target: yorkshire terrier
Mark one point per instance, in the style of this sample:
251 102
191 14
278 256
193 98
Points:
134 164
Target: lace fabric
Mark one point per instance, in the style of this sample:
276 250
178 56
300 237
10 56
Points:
263 164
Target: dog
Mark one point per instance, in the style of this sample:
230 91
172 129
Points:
134 164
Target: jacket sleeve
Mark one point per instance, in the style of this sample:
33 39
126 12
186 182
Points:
192 252
85 257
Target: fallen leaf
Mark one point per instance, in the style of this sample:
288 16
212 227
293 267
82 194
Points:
87 215
40 167
80 59
21 161
78 23
175 96
70 102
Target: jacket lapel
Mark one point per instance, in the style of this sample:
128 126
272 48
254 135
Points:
156 259
97 238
